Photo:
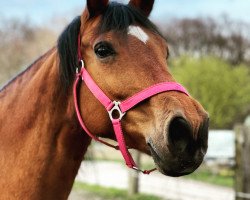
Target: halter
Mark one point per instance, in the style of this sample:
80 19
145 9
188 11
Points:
116 109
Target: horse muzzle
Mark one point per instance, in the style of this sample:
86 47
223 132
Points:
184 149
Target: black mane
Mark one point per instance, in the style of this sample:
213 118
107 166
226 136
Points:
117 17
67 50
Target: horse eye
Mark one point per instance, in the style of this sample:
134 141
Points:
104 50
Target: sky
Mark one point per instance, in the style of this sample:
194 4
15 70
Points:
41 11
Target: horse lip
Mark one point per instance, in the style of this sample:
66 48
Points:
160 163
158 160
175 174
153 150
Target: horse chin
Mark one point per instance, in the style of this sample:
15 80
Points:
174 173
170 166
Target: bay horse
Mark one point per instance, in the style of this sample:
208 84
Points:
46 126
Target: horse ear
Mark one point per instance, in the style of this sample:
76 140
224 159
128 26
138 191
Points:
96 7
145 6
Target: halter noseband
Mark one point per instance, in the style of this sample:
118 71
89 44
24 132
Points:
118 107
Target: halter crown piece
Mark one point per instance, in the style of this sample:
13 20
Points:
117 107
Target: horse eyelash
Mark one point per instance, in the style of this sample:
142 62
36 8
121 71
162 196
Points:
168 54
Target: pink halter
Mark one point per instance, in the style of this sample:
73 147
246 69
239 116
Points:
118 107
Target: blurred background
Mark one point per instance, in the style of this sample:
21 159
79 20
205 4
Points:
209 45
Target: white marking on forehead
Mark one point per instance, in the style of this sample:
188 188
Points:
138 33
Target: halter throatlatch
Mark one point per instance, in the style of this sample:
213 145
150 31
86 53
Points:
120 108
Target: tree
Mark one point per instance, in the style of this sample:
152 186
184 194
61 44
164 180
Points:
224 91
222 38
21 44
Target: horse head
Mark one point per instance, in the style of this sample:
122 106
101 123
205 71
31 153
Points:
124 53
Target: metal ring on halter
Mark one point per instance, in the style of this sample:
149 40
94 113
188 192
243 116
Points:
116 108
81 65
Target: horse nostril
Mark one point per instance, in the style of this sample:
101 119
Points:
180 135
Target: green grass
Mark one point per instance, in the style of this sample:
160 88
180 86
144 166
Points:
222 178
111 193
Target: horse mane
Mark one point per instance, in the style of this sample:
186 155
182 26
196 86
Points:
67 50
117 17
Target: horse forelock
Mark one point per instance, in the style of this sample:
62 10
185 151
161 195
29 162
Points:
118 17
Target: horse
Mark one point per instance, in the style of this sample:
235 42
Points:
106 78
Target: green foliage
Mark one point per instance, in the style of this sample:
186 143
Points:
111 193
223 178
223 90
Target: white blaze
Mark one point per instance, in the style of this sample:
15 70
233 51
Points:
138 33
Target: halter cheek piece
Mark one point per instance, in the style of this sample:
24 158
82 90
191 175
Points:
116 109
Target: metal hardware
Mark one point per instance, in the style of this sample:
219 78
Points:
116 108
81 65
137 169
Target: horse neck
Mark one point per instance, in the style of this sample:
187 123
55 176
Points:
41 145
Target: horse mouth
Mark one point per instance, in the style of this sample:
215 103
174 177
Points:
171 167
153 151
158 159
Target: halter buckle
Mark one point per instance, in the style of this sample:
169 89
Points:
116 108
